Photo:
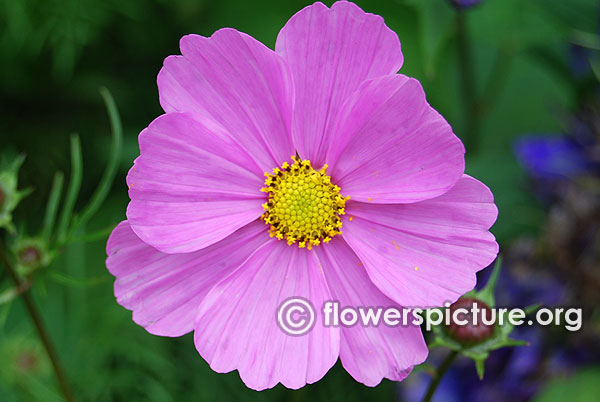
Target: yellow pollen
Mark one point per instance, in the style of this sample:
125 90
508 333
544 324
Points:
304 207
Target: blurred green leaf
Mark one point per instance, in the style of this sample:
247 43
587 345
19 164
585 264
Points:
436 25
582 386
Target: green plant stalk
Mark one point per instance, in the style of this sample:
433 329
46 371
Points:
10 294
496 81
441 371
41 330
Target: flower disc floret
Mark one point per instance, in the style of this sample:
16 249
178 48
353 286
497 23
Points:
304 207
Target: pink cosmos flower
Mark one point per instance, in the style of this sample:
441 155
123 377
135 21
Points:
223 225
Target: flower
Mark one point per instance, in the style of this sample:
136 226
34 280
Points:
464 4
551 157
311 171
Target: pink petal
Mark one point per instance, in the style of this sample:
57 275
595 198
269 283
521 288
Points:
330 52
427 253
165 290
237 328
239 83
390 146
191 186
368 353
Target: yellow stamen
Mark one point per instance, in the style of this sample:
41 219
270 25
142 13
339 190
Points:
304 207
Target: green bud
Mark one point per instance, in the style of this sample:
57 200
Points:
23 359
31 254
477 341
475 331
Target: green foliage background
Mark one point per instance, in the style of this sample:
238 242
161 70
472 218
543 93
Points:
56 53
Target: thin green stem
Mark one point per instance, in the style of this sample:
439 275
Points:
467 82
73 189
52 206
441 371
41 329
111 168
94 236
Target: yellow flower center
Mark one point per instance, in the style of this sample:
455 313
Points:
303 206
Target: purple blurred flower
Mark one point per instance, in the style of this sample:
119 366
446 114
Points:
464 4
551 157
462 384
579 60
522 290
